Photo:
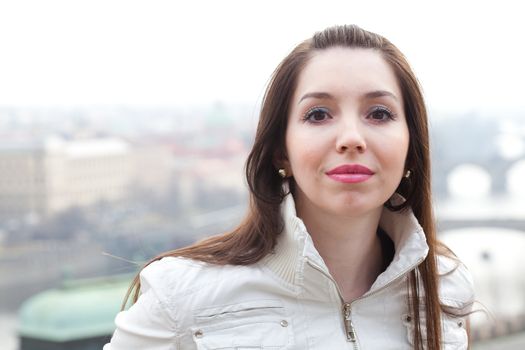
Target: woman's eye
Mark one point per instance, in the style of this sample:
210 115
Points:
381 114
316 115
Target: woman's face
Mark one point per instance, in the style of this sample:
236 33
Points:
347 137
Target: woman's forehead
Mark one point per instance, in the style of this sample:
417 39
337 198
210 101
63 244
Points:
346 71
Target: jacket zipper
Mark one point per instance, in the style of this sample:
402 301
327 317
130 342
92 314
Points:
350 332
349 327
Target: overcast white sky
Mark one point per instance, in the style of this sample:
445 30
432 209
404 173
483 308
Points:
469 55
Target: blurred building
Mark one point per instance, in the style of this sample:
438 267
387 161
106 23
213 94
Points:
153 165
48 176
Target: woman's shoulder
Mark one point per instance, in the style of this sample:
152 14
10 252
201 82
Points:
177 275
176 280
174 266
456 286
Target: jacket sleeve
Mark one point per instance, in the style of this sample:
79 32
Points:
147 325
456 285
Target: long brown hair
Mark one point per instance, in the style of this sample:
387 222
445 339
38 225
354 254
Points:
257 235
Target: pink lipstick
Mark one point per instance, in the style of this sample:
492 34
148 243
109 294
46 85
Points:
350 173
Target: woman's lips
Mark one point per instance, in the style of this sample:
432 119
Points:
350 173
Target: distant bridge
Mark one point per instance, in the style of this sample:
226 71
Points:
499 212
453 224
497 168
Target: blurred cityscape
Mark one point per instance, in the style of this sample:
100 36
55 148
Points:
96 191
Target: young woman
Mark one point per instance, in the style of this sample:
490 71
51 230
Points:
339 249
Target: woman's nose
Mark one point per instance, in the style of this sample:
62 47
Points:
350 137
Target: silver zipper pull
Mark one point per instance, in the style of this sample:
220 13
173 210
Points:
349 327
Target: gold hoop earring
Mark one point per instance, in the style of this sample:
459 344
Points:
282 173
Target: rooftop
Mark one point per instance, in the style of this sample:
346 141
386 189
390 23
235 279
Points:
78 310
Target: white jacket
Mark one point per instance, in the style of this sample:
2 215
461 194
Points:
288 300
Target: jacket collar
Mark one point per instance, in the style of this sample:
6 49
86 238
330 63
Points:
295 246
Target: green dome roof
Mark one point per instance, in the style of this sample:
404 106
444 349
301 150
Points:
78 310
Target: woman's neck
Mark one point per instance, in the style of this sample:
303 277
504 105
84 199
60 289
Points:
349 246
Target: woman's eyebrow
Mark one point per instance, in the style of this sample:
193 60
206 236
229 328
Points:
318 95
379 93
368 95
